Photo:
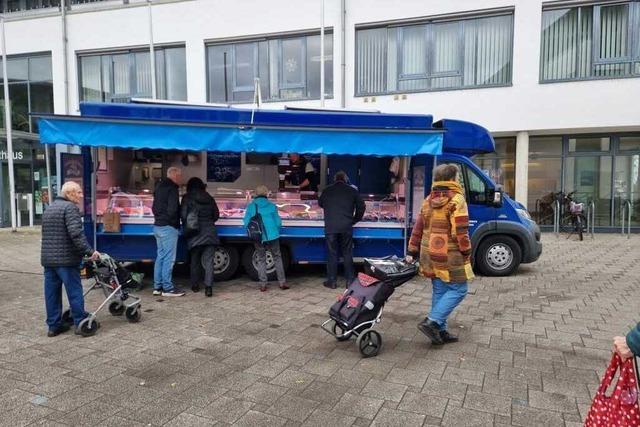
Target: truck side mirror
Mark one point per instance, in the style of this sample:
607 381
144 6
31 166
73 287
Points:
494 197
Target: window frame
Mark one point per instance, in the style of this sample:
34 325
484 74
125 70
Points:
633 33
303 84
131 53
429 75
230 44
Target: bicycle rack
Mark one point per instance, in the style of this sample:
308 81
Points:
556 217
626 208
591 218
538 214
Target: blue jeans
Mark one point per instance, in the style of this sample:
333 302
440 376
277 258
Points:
54 278
167 243
445 298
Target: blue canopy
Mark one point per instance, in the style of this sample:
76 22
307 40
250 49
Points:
205 128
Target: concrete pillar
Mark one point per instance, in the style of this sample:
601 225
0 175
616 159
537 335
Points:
522 166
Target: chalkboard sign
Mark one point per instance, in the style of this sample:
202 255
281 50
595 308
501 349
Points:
223 166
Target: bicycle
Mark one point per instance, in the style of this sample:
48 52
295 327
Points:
572 216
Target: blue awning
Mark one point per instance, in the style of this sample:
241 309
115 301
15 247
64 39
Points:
465 138
192 128
135 134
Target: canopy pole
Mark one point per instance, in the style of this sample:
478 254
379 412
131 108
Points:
152 55
322 53
7 125
405 178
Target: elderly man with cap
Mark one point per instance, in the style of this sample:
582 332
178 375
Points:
63 246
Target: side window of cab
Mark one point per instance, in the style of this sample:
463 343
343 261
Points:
474 187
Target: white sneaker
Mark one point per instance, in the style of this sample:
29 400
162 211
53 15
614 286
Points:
157 292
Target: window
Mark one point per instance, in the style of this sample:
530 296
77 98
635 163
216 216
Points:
477 188
589 42
118 77
500 165
462 53
30 90
545 176
288 69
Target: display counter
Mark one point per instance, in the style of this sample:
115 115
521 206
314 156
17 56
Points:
295 209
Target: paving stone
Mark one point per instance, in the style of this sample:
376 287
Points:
407 377
225 410
256 419
263 393
320 418
552 401
323 392
465 376
465 417
389 418
350 378
359 406
188 420
24 415
424 404
294 379
516 390
491 403
530 417
384 390
294 408
449 389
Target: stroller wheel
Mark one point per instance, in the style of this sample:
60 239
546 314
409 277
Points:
337 330
88 327
133 314
369 343
116 308
66 318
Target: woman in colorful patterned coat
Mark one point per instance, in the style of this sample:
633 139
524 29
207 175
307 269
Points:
440 238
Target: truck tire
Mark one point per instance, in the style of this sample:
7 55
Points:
249 263
225 262
498 255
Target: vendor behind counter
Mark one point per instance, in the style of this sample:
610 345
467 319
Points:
303 173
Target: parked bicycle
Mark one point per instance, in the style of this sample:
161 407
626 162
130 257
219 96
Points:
572 217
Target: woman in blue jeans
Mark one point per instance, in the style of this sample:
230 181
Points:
440 238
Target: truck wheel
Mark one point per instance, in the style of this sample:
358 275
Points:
225 262
498 256
250 263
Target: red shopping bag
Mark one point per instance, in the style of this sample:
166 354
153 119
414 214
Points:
621 408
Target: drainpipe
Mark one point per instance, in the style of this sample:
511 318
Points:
65 72
152 55
321 53
343 54
7 126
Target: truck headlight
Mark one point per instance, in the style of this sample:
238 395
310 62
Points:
524 214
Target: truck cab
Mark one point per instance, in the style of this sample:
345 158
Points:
502 233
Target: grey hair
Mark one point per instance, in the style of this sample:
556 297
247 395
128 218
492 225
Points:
68 188
173 170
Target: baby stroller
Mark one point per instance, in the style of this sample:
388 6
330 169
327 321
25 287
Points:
115 282
359 308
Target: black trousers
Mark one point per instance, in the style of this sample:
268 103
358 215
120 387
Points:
339 243
201 258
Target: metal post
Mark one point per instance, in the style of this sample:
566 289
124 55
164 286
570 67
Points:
7 125
321 53
556 217
591 218
405 175
626 216
152 55
343 54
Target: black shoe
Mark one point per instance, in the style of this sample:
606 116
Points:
59 330
431 330
195 288
330 285
447 338
175 292
208 291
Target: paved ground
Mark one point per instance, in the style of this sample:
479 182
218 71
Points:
532 350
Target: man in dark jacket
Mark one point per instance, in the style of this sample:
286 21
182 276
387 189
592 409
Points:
343 207
166 212
63 246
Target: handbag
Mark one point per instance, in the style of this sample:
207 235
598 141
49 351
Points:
255 227
621 407
111 222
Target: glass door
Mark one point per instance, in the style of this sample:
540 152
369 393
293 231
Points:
627 188
589 179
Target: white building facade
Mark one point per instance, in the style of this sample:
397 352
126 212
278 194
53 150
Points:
556 82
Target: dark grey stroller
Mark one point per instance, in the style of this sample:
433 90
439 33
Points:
359 308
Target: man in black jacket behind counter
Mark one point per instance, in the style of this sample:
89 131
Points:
343 207
166 213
